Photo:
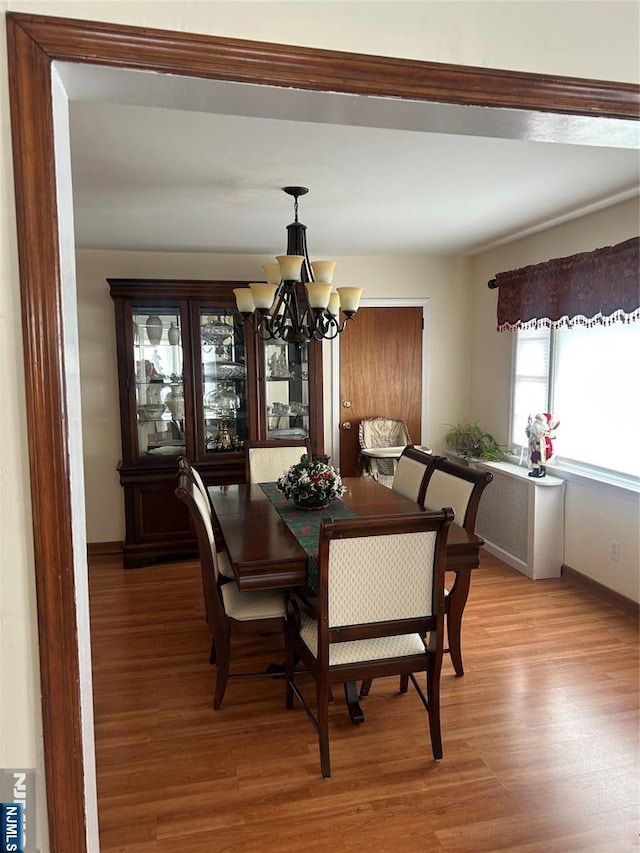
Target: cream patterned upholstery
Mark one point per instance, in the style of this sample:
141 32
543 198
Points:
268 464
400 645
448 490
205 513
252 604
407 478
221 563
199 482
224 566
378 578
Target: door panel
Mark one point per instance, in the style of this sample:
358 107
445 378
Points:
380 374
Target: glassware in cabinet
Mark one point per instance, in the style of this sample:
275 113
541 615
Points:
224 380
159 381
286 390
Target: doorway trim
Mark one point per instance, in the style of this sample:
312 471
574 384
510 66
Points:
409 302
33 43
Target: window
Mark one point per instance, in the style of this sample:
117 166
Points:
588 378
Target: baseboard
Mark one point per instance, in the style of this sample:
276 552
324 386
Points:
508 558
600 591
96 549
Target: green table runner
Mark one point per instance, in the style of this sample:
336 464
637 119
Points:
305 524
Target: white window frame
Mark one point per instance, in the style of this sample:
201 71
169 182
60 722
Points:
568 469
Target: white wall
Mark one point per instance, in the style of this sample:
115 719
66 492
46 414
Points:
593 515
592 40
596 39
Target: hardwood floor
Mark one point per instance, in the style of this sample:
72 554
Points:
540 735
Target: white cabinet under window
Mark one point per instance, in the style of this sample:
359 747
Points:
521 519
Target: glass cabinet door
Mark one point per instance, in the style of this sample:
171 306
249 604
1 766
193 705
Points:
224 380
286 390
159 383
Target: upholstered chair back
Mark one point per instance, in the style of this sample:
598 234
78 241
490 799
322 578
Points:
458 486
266 463
412 473
381 578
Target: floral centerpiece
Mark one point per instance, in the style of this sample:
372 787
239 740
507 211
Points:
311 485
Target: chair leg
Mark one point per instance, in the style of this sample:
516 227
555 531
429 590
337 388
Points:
455 601
322 710
351 695
404 683
289 667
223 653
365 687
212 653
433 710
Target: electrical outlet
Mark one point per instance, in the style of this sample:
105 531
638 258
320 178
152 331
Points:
615 550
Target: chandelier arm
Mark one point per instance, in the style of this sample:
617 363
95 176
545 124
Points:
331 327
291 317
264 330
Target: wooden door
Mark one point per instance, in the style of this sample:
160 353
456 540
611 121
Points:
380 374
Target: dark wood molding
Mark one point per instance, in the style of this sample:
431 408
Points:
98 549
33 41
41 292
287 66
627 605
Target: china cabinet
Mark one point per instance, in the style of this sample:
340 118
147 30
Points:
195 380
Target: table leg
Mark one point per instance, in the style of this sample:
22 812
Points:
353 706
455 602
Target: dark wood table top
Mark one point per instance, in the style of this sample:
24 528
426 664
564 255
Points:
264 553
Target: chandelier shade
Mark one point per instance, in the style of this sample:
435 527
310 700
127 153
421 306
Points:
297 303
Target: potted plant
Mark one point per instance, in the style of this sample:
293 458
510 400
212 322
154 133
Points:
311 484
472 442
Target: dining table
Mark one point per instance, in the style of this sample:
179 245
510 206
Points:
271 543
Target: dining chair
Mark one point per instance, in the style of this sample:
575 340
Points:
381 432
461 487
379 612
228 610
412 473
267 461
185 466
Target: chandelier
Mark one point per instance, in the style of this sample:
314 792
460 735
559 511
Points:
297 304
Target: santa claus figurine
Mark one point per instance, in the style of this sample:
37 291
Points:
541 430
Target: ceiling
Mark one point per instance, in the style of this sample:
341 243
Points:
164 163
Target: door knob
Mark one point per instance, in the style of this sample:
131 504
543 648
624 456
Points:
346 425
346 404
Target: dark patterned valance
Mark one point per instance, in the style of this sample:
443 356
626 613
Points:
592 288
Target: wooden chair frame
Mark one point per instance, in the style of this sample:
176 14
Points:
480 480
221 625
431 623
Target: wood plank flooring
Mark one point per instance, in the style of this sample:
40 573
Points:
540 735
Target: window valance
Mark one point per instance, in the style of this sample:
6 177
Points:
591 288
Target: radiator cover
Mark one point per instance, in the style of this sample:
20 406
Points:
521 519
